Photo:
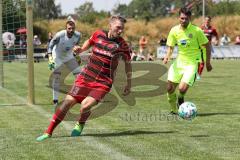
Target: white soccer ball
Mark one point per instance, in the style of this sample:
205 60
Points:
187 110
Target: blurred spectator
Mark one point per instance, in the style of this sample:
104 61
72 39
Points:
133 56
143 47
162 41
22 42
140 57
50 36
10 47
150 57
10 42
237 40
36 41
225 40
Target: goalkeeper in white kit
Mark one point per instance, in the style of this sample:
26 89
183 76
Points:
60 54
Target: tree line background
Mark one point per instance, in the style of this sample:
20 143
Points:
138 9
146 11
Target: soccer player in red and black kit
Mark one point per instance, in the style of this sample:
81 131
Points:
96 78
210 32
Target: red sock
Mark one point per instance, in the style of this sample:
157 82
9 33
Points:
83 117
200 68
56 119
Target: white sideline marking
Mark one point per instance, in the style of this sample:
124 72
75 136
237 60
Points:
90 141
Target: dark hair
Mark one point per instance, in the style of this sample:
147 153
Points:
185 11
120 18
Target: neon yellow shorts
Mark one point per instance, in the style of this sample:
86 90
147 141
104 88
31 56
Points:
183 72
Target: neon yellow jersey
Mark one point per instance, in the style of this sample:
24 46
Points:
188 41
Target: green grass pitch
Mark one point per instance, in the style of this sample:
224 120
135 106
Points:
139 132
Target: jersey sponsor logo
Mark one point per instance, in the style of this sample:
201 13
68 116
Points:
183 42
108 46
104 52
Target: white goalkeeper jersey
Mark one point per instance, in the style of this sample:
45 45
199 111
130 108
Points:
61 46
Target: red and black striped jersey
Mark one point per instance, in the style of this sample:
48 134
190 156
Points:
105 56
210 32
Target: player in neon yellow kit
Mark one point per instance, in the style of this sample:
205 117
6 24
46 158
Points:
189 39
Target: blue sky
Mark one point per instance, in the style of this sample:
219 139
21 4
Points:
107 5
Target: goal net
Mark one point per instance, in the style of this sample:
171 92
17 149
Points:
13 62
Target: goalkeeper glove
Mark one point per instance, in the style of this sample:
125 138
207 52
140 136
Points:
51 64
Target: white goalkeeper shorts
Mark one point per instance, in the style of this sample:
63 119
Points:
70 65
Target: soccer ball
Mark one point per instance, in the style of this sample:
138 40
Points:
187 110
